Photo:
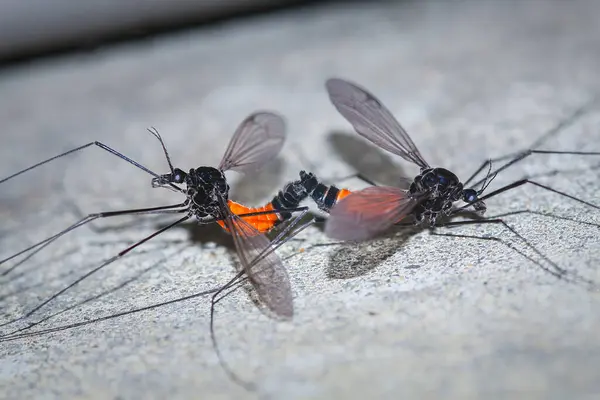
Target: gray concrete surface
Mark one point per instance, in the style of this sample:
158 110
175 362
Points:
407 316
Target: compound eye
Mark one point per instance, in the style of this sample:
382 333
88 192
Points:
469 195
429 180
178 175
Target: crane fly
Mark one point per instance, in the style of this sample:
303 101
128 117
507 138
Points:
431 197
257 140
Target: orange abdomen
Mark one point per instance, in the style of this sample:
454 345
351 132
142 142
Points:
262 223
342 193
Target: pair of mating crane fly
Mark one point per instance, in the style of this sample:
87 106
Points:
354 216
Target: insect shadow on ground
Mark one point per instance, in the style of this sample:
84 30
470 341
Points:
252 186
366 158
357 259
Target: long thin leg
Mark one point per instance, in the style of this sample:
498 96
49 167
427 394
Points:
523 182
22 289
284 236
543 214
232 285
78 213
94 143
493 239
75 305
14 277
117 315
554 172
357 175
154 210
556 270
174 208
518 156
402 181
302 209
93 271
87 300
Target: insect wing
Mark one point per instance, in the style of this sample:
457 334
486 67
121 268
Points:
372 120
262 265
257 140
365 213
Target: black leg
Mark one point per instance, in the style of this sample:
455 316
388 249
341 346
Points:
492 239
177 241
287 233
37 247
95 143
523 182
556 270
284 236
518 156
93 271
100 319
357 175
303 209
16 334
79 214
88 300
280 239
554 172
543 214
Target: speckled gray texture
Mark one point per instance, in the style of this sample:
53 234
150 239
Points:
408 316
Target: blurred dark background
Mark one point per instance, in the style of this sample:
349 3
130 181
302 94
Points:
34 28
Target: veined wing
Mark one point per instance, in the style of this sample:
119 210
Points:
372 120
368 212
257 140
261 264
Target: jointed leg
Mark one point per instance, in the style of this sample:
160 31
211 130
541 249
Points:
556 270
89 299
522 182
518 156
175 208
93 271
95 143
100 319
239 278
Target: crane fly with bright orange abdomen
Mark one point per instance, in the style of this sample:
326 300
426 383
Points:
257 140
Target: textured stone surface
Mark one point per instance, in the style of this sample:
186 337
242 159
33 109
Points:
408 316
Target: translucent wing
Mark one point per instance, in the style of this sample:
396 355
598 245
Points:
262 265
257 140
372 120
363 214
